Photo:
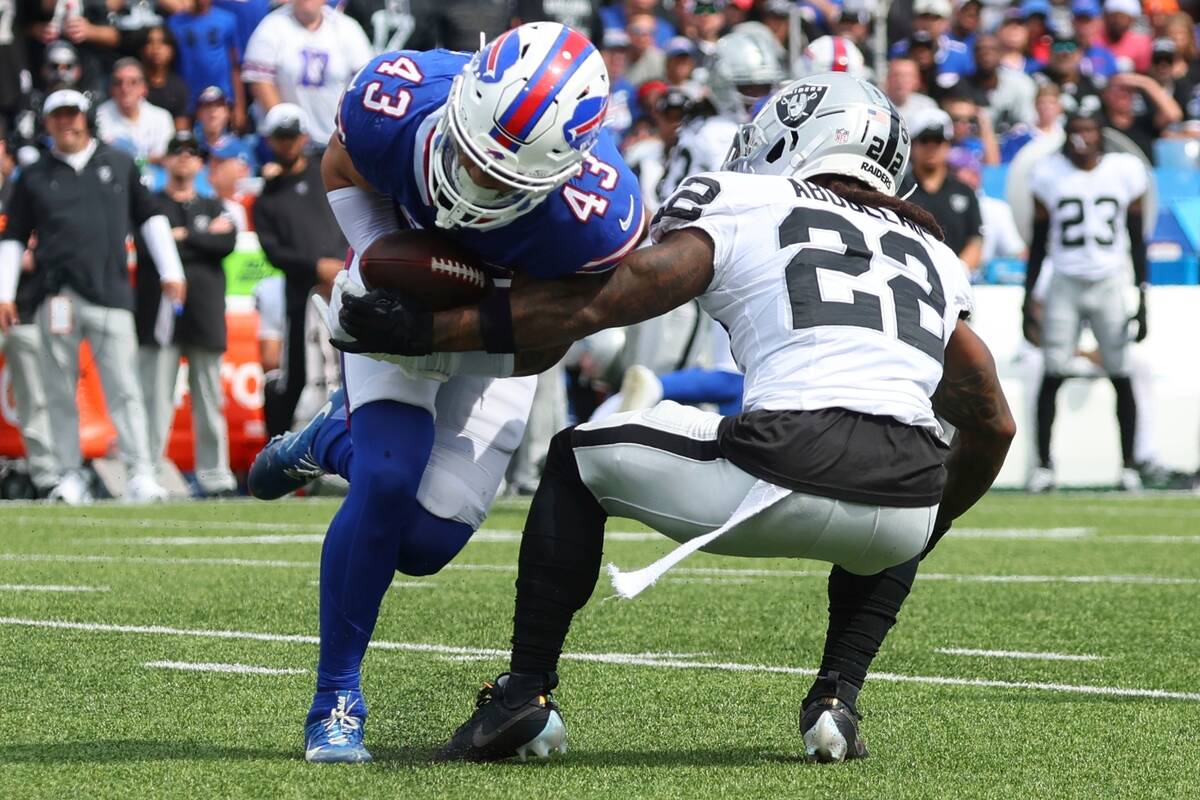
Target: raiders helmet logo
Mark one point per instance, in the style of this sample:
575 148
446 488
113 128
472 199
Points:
797 105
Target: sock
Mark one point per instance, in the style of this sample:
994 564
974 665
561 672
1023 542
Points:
693 386
392 442
1045 415
332 446
862 609
560 560
1126 418
430 543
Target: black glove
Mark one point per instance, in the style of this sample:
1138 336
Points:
1031 322
1140 317
383 321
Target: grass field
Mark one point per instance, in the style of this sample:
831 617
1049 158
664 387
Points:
1050 649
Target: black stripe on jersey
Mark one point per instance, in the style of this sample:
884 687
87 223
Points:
889 150
694 449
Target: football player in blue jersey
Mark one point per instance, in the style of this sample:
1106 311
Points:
505 150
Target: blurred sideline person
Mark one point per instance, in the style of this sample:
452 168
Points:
951 202
83 197
21 344
1088 224
204 235
836 457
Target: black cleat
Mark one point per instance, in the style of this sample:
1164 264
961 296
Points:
503 727
829 723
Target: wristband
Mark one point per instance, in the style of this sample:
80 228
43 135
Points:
495 322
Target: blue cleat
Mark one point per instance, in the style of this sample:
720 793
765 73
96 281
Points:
338 737
287 462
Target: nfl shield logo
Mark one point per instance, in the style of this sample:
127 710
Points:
798 104
841 136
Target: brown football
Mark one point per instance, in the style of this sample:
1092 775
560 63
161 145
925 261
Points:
426 265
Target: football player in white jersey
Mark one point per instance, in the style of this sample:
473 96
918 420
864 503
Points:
845 311
1088 223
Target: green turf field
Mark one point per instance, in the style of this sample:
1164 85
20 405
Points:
1050 649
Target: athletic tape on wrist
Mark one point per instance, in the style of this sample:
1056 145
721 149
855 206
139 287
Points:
495 322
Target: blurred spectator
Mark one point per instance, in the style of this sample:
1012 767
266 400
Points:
854 23
1049 113
621 14
83 198
1119 37
1159 13
901 86
248 14
269 301
129 121
204 235
951 201
1141 109
305 53
456 24
951 58
707 24
965 23
21 344
164 88
300 237
1014 39
1036 16
1098 60
213 131
923 51
681 60
1006 93
85 25
228 169
14 75
972 127
1178 74
206 39
1079 91
622 96
832 54
646 61
582 15
389 24
1001 239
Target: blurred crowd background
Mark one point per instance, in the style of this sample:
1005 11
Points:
232 101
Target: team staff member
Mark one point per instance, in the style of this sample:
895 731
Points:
83 198
951 201
204 235
300 237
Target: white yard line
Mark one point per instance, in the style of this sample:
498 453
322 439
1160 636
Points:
715 572
969 651
665 661
48 587
398 584
240 669
169 523
1021 533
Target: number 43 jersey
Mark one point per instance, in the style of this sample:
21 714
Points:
828 304
1089 237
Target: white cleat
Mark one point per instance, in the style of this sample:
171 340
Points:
72 490
824 742
640 388
142 489
1130 480
552 739
1041 480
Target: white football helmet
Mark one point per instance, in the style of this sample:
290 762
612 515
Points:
834 54
826 124
744 58
526 109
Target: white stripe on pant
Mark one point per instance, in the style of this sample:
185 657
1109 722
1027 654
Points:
113 339
159 371
684 497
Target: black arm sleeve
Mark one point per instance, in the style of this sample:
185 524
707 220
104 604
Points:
1137 245
19 223
1037 253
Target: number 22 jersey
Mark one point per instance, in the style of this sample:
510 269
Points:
386 122
828 304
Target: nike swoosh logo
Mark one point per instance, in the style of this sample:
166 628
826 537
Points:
625 223
480 739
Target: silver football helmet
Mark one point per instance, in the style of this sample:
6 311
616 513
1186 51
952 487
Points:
744 60
826 124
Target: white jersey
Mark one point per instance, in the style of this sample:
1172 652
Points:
827 304
310 68
702 147
1089 237
143 138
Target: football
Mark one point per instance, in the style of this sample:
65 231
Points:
426 265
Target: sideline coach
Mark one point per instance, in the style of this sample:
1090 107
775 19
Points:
83 198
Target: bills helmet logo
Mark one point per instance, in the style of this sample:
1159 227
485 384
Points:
799 103
498 57
584 126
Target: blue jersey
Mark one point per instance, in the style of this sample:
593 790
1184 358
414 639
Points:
386 123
